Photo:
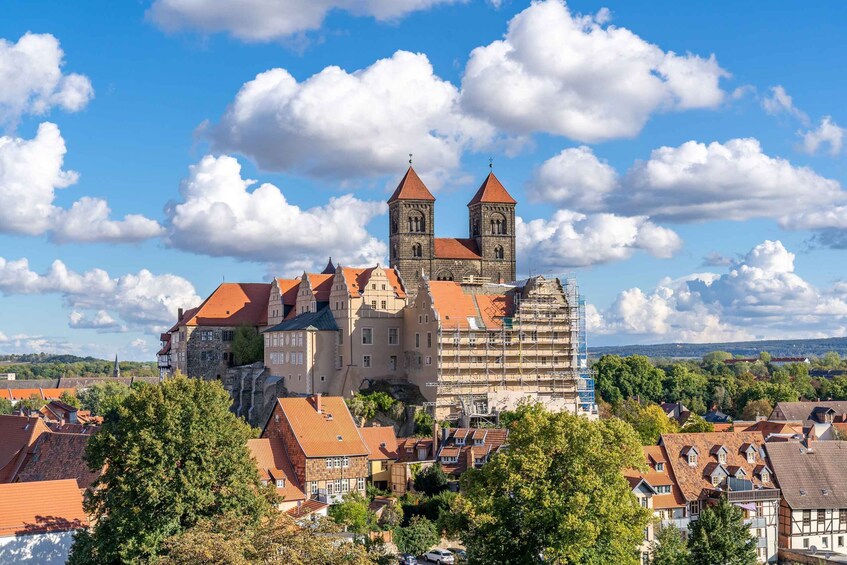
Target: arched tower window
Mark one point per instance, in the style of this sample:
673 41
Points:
498 225
417 223
416 250
498 252
444 275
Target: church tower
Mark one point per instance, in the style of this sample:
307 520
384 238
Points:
491 216
411 217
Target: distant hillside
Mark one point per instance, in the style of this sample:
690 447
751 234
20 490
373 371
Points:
49 366
776 347
46 358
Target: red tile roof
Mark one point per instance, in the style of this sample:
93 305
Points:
17 434
407 449
654 454
492 191
381 442
454 248
492 440
308 507
40 507
273 464
43 393
234 304
330 433
455 306
56 456
411 187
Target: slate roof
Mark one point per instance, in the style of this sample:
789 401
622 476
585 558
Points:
233 304
693 481
804 411
381 442
322 320
411 187
492 191
805 475
456 248
330 433
36 508
273 464
56 456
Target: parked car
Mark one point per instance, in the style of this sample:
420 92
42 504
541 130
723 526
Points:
408 559
440 556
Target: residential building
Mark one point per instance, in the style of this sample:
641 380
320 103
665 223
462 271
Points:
17 434
817 417
382 447
412 454
676 410
812 478
460 449
488 252
328 456
275 468
731 465
164 359
38 521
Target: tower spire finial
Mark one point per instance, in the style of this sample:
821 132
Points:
410 159
491 164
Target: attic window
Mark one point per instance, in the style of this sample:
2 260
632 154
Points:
802 492
766 477
382 444
716 480
329 417
660 467
692 458
339 438
751 456
825 491
722 457
280 483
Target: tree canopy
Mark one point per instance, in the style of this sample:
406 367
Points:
557 494
416 538
721 536
649 420
669 547
102 397
353 512
248 346
431 480
174 455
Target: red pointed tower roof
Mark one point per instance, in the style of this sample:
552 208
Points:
411 188
492 191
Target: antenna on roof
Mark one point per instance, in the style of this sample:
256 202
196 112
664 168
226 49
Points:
410 158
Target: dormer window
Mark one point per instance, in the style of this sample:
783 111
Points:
280 483
692 458
660 467
765 476
460 440
722 457
751 456
716 480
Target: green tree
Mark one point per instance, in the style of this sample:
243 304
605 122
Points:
248 346
416 538
802 381
714 362
431 480
273 540
102 397
765 357
6 406
696 424
830 360
557 495
669 547
423 423
70 399
757 408
33 403
721 536
834 388
634 376
353 513
684 384
649 421
173 454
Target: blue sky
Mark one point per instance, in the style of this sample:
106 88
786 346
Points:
734 230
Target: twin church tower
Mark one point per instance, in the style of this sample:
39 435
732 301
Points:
489 252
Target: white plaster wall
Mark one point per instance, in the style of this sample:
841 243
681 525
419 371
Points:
40 549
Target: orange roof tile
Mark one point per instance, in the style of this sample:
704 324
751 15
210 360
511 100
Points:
656 454
381 442
234 304
321 286
17 434
330 433
308 507
411 187
288 290
492 191
39 507
454 248
454 306
273 463
43 393
407 449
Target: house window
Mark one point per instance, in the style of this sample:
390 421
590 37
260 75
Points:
323 378
660 467
392 363
366 361
329 463
280 483
751 456
267 340
207 335
643 501
417 341
716 480
692 459
360 483
807 519
227 335
840 541
345 462
367 336
373 304
842 517
428 360
722 458
339 362
429 339
329 488
383 304
805 543
766 477
345 485
393 336
821 520
825 541
314 487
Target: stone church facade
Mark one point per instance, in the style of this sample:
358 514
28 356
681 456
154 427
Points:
488 253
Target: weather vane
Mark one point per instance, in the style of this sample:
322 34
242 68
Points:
410 158
491 163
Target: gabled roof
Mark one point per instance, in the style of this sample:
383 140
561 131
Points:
456 248
805 411
492 191
656 454
233 304
811 478
273 464
331 432
57 456
17 434
493 440
322 320
40 507
358 278
310 506
411 187
381 442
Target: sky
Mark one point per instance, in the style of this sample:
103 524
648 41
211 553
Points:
684 162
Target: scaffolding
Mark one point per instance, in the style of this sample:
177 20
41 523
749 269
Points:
533 344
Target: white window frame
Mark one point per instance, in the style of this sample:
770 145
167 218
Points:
370 334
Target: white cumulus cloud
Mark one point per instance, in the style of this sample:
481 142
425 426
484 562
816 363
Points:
32 79
571 239
828 133
100 320
140 300
338 124
30 174
222 214
780 102
265 20
572 75
575 178
760 296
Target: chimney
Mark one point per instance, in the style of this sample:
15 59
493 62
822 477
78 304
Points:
435 437
470 461
179 313
317 400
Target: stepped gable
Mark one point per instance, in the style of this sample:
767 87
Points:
491 191
411 187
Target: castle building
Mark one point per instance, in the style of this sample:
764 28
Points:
488 252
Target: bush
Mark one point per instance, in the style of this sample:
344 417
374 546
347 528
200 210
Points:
417 537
